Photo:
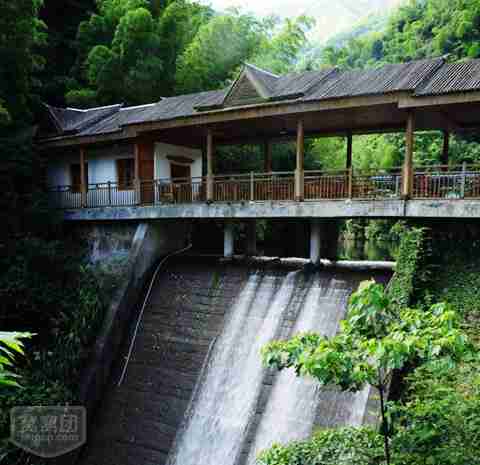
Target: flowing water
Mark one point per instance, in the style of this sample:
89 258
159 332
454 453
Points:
227 396
228 422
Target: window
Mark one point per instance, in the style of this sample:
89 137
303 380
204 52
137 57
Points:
75 179
125 173
179 171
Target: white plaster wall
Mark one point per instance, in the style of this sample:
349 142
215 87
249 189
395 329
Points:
101 169
101 165
162 164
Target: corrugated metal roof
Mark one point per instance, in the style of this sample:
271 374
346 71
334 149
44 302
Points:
76 120
115 122
455 77
267 79
301 83
179 106
421 78
384 80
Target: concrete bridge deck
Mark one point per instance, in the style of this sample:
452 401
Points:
438 208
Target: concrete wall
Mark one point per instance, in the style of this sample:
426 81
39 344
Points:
162 164
148 243
460 209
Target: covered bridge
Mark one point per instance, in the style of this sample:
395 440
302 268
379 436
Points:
157 160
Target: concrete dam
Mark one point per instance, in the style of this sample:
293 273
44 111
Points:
195 391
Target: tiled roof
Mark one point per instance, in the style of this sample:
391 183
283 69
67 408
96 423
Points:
420 78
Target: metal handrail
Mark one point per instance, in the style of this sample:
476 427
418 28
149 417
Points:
140 316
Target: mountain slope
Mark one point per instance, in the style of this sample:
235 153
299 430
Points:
335 17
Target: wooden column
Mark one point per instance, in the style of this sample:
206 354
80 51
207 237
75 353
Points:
349 165
446 147
299 171
408 162
349 150
83 180
210 196
267 156
136 151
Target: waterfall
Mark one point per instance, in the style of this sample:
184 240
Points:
296 405
235 414
227 397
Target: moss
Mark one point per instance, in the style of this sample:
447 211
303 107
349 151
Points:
413 270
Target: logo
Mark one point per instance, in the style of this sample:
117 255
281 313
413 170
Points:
48 431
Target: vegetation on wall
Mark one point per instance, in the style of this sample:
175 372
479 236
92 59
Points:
413 260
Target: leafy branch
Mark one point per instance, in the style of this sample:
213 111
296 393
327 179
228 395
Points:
373 341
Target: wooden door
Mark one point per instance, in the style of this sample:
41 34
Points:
182 188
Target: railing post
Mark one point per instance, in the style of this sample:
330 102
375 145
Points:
109 193
350 182
462 186
252 186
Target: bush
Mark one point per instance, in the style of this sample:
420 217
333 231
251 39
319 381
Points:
50 289
342 446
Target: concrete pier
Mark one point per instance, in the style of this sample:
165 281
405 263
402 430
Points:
315 241
323 240
251 249
228 240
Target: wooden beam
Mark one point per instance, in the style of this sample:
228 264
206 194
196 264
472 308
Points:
267 156
299 171
446 147
408 162
349 150
83 180
437 100
210 193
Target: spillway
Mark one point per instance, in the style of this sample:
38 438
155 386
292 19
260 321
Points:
196 392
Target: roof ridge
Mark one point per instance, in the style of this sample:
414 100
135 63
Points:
262 70
86 110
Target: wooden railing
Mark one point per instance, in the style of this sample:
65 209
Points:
442 181
254 187
326 184
377 184
428 182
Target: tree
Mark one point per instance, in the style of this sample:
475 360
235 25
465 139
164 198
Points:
219 48
280 51
373 341
21 35
10 344
178 26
